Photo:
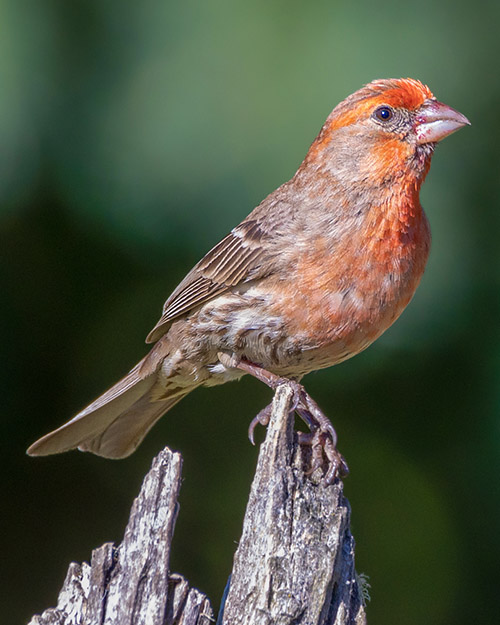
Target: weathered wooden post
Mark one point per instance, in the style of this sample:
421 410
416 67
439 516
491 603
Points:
294 563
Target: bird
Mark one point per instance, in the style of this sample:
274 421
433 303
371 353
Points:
313 276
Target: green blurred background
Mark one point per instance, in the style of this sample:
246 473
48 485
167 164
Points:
134 136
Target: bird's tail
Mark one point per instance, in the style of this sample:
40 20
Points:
117 421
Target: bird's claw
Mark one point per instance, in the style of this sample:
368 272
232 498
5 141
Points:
261 418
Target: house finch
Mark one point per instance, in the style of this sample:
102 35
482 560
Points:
311 277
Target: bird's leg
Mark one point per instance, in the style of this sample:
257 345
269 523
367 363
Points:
322 436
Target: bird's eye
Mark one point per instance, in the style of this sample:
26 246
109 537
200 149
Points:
384 113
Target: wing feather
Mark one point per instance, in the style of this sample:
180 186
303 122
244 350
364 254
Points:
236 259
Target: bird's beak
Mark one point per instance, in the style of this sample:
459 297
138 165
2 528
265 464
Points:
436 120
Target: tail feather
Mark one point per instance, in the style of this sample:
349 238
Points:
115 423
126 432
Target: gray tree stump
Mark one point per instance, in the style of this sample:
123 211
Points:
294 563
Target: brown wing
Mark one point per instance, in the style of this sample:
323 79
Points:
237 258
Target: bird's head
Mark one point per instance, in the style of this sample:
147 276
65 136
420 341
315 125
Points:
385 131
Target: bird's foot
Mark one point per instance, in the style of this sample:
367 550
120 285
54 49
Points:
322 436
324 456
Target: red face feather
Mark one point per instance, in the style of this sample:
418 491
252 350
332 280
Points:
404 93
378 151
